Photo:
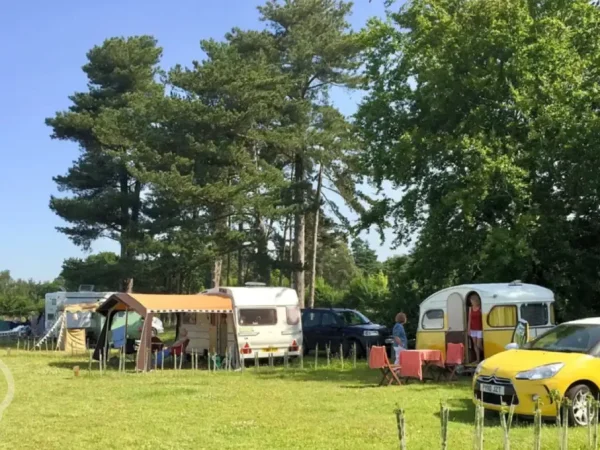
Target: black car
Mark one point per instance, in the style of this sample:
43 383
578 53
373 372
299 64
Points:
337 327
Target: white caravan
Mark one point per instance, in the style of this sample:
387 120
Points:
266 321
55 300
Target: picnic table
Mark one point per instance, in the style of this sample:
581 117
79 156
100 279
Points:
413 363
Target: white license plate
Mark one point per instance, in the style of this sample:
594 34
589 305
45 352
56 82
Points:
492 389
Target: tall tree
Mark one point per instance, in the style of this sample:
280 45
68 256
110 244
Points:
365 257
107 199
483 113
312 47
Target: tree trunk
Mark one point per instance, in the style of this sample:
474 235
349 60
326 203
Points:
216 272
264 262
282 252
240 267
125 260
299 230
313 268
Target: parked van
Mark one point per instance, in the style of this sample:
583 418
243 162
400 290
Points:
443 315
265 321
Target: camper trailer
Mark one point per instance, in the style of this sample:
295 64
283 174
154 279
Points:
56 301
443 315
265 322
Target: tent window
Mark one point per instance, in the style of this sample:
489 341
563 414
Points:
266 316
433 320
502 316
536 314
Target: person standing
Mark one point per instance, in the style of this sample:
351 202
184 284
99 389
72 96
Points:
399 335
475 326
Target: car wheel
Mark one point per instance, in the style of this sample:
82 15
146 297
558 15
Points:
305 349
578 411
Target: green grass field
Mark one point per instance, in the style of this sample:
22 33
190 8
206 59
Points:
268 409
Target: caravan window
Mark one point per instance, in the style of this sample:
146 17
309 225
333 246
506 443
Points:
263 316
536 314
502 316
292 315
433 320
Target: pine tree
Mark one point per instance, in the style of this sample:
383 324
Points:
106 200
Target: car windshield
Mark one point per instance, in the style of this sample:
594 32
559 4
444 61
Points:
353 318
570 338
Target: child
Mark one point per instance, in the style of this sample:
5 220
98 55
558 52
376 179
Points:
399 334
475 326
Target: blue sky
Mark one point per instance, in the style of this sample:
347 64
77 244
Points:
42 49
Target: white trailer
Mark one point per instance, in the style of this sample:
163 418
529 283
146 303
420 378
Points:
55 300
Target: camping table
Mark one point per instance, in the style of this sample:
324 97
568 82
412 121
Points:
428 358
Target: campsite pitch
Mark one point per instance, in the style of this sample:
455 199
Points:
325 408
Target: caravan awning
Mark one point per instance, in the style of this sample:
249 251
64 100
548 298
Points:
154 303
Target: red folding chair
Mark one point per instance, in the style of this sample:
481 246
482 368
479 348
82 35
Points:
455 356
378 359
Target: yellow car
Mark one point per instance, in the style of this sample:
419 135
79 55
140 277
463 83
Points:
565 359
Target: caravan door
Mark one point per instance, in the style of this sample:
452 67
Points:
456 333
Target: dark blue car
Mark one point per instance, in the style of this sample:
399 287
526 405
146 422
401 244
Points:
337 327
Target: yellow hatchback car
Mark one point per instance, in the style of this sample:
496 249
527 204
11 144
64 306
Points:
565 359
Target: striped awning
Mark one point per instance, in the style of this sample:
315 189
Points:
153 303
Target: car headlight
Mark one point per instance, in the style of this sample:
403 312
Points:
479 367
370 333
541 372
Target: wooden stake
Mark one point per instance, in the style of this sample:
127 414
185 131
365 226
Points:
18 344
256 361
316 356
181 359
76 371
162 361
45 342
155 360
342 355
8 352
90 362
354 355
175 361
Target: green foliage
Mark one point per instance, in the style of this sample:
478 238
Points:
365 258
485 113
22 298
106 200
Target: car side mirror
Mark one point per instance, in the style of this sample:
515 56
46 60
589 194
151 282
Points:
511 346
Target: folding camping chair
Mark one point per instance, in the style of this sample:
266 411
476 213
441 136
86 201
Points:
378 359
455 354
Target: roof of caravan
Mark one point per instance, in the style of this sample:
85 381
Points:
507 292
152 303
259 296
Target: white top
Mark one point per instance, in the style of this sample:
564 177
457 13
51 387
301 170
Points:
258 296
494 293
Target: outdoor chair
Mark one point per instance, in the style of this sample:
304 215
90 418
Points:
378 359
455 354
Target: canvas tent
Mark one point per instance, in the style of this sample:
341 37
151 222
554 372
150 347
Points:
147 305
72 335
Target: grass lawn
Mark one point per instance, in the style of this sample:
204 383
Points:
269 409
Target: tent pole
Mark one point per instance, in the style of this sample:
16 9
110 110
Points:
105 350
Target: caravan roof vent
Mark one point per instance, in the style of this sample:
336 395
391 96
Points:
515 283
86 288
254 284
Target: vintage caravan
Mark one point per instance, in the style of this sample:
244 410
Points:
265 321
443 316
